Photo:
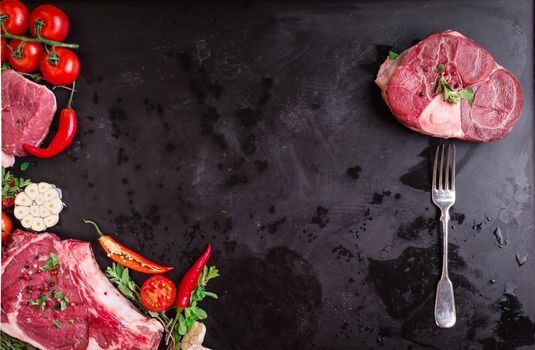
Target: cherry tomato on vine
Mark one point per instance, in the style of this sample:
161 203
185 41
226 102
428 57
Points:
4 50
7 226
17 15
55 23
26 59
158 293
8 202
61 69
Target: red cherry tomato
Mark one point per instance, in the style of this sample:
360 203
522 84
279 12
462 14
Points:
158 293
4 50
8 202
17 16
55 22
7 226
27 59
65 71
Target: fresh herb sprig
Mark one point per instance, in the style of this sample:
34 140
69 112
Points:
57 323
63 300
392 55
9 343
12 185
450 94
52 262
185 318
40 301
177 325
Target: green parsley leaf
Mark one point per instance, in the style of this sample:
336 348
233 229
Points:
57 323
213 272
24 166
175 328
12 185
62 305
58 295
449 93
52 263
190 321
468 95
40 301
392 55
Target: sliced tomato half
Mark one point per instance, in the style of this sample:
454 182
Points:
7 227
158 293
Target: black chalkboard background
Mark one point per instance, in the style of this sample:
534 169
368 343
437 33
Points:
257 127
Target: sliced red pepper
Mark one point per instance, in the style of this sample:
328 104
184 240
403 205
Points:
68 125
126 257
189 282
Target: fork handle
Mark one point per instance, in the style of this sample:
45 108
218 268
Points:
445 301
445 304
445 220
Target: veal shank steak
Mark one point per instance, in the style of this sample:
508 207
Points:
409 84
96 316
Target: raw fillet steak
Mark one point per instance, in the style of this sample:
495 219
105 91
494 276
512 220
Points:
409 82
97 315
27 112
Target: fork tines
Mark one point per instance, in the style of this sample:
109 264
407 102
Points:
446 175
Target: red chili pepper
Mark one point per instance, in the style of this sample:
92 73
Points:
64 136
126 257
189 282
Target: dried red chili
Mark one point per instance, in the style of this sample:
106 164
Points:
189 282
64 136
126 257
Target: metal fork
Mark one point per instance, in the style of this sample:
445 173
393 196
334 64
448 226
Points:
443 195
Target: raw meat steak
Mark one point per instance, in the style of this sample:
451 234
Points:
409 82
27 111
97 315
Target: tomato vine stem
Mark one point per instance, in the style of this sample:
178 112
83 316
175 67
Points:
40 40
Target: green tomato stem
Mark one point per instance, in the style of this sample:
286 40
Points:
40 40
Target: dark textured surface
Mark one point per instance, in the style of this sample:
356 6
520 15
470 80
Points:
258 127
